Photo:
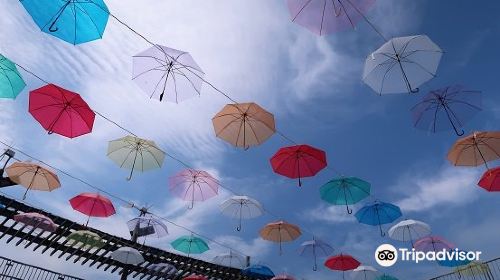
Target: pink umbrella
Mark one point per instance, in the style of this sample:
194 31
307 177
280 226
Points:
92 205
193 185
432 244
36 220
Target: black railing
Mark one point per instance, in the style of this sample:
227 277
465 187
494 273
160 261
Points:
489 270
14 270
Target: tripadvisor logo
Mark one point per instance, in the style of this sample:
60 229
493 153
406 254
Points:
387 255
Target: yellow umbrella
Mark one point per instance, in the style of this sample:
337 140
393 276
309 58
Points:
33 177
280 232
476 149
473 269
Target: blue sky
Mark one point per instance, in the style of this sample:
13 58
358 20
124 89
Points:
312 85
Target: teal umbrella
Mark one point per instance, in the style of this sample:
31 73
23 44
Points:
11 82
345 191
386 277
190 245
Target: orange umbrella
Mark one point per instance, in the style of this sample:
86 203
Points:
33 177
476 149
280 232
244 124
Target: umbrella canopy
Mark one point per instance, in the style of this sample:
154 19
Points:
61 111
280 232
193 185
324 17
283 277
72 21
474 269
490 180
85 239
298 161
195 277
11 81
363 272
453 262
167 74
244 124
386 277
163 269
230 260
258 271
241 207
315 248
378 213
476 149
33 177
342 263
92 205
127 255
147 226
402 64
409 230
432 244
345 191
36 221
190 245
446 108
134 153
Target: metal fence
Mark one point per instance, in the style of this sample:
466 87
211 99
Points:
475 271
14 270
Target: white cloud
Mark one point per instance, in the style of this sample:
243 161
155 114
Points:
330 214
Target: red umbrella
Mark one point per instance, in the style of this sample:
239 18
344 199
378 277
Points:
92 205
491 180
195 277
298 161
342 263
61 111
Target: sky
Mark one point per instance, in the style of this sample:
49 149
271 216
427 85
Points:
311 84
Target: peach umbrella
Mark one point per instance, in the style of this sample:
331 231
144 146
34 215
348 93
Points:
33 177
476 149
280 232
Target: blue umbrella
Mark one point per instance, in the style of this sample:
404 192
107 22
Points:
314 249
453 262
74 21
378 213
258 271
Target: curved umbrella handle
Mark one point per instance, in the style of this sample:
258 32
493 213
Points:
459 133
315 267
349 211
52 27
191 206
414 90
238 228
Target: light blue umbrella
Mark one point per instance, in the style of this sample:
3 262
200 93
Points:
315 248
11 82
74 21
378 213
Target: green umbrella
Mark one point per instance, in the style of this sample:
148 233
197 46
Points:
386 277
84 239
11 82
190 245
345 191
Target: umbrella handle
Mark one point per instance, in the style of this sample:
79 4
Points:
414 90
191 206
129 177
461 133
349 211
238 228
315 267
52 27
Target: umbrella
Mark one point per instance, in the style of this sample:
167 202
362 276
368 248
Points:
241 207
195 277
298 161
244 124
377 214
163 269
386 277
409 230
283 277
432 244
61 111
402 64
72 21
147 226
280 232
36 221
190 245
127 255
11 82
476 149
490 180
85 239
363 272
134 153
324 17
342 263
230 260
454 262
92 205
167 74
315 248
474 269
193 185
345 191
33 177
258 271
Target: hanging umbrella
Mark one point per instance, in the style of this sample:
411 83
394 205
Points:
193 185
402 64
386 277
147 226
377 214
241 207
230 260
165 269
134 153
342 263
345 191
454 262
298 161
167 74
476 149
61 111
33 177
315 248
490 180
432 244
36 221
190 245
244 124
474 270
11 81
409 230
72 21
363 272
280 232
446 108
85 239
258 271
283 277
195 277
127 255
92 205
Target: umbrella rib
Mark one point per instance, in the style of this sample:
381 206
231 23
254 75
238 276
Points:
303 7
81 8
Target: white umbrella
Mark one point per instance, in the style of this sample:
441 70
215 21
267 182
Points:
363 272
163 268
127 255
315 248
241 207
409 230
147 226
231 260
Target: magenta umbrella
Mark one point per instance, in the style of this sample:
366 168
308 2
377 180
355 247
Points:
36 220
193 185
432 244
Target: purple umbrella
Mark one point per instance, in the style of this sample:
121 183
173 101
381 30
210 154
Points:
167 74
432 244
36 220
328 16
193 185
